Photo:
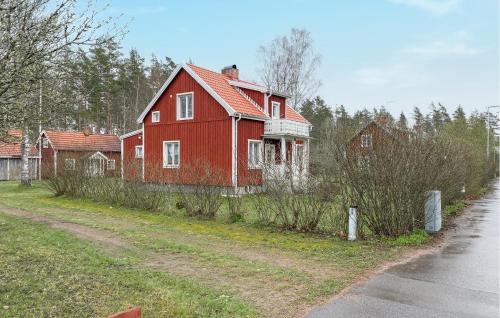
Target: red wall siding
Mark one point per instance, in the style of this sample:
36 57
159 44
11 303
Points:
47 160
62 155
280 100
258 97
132 166
248 129
207 138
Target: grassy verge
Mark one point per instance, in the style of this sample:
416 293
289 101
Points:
454 208
199 268
49 273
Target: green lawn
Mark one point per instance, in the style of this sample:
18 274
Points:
77 258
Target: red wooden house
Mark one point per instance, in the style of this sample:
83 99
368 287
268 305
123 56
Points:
10 157
62 151
374 136
204 116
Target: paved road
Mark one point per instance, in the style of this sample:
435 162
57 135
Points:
459 280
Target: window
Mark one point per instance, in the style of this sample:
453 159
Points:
110 165
254 154
45 143
366 141
171 154
138 151
184 106
69 164
155 117
275 110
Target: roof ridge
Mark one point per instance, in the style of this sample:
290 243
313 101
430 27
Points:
206 69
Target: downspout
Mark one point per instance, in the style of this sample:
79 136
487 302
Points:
236 153
268 95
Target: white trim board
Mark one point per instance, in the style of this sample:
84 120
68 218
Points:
257 88
130 134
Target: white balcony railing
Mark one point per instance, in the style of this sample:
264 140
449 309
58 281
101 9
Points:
286 127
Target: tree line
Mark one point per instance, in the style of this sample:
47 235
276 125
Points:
101 88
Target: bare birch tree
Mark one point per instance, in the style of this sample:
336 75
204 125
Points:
35 34
289 64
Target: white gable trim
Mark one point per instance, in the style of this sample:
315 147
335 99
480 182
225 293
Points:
46 136
130 134
255 87
198 79
98 154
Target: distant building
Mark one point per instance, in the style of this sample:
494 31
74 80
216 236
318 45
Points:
95 154
374 136
10 157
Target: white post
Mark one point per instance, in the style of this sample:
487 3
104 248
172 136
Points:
353 218
283 150
433 212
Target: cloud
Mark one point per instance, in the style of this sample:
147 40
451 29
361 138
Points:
435 7
395 74
456 44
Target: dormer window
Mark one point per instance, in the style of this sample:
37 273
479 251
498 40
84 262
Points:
155 117
185 106
275 110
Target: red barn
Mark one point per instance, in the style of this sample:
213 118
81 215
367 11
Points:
96 154
235 126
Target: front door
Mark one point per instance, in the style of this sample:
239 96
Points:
96 167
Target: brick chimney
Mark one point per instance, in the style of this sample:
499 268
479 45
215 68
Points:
86 131
231 71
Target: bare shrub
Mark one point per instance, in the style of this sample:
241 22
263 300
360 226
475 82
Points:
133 194
235 206
292 199
200 191
389 183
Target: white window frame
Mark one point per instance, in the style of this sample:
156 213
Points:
275 115
178 106
142 151
254 165
113 166
153 119
366 140
172 165
45 143
72 166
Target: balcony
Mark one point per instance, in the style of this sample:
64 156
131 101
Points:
288 127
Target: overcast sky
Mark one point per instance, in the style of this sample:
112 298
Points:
397 53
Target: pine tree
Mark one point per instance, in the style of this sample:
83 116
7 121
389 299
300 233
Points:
402 122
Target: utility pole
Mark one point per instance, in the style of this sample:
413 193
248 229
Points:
40 132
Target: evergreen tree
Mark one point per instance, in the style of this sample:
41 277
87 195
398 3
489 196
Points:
402 122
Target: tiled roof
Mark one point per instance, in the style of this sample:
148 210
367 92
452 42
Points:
292 114
13 149
76 140
219 83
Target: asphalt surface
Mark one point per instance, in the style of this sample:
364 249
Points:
458 280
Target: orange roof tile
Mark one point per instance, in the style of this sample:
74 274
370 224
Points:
13 148
77 140
292 114
219 83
